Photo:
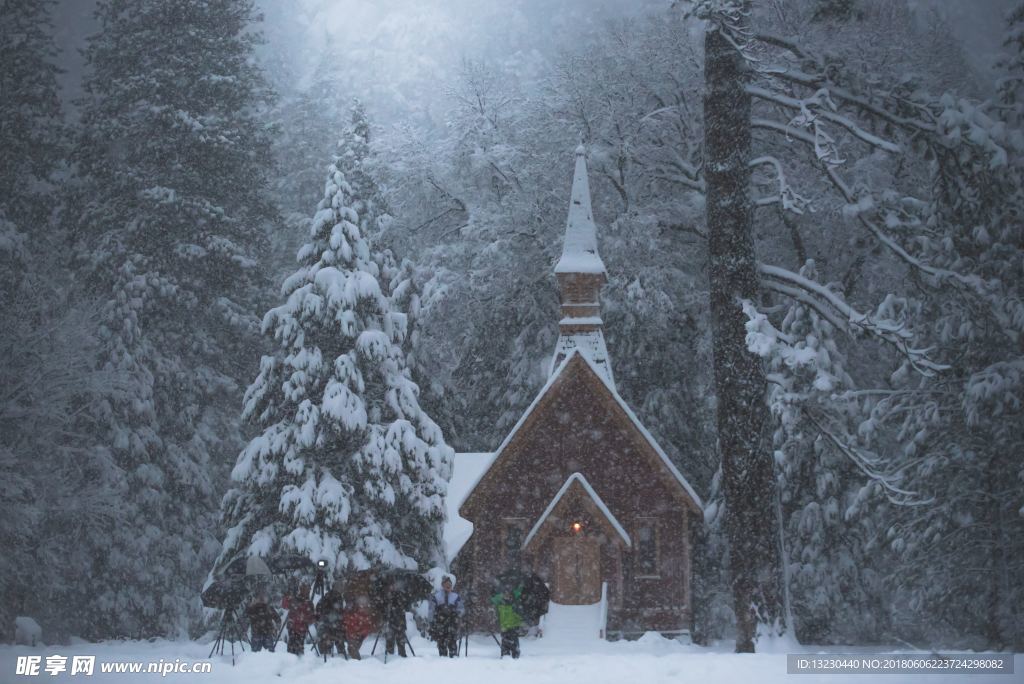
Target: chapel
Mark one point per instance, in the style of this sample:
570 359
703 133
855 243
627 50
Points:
579 492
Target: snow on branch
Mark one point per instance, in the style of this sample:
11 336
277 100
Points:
820 105
831 306
869 464
973 283
859 207
731 18
820 80
787 197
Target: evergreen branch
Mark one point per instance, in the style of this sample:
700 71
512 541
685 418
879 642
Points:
867 465
843 316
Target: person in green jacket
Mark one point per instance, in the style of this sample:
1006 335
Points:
509 620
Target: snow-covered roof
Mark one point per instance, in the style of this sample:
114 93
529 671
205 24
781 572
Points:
625 407
649 437
579 251
589 344
466 471
605 511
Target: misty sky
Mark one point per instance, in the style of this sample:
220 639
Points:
402 52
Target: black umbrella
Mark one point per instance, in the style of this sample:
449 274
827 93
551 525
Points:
404 586
235 567
225 592
534 599
289 561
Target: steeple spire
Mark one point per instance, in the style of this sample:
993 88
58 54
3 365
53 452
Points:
579 251
581 273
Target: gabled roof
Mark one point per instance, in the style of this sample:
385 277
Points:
582 482
644 433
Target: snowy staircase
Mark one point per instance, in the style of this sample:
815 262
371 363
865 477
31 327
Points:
564 624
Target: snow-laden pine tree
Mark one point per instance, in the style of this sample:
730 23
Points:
30 135
748 479
347 468
961 433
54 490
174 157
355 160
308 123
833 596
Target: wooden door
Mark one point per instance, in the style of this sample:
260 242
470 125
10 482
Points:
577 571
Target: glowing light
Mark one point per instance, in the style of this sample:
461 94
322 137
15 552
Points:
576 527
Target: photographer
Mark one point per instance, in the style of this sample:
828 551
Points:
446 608
300 616
331 621
396 602
359 623
509 620
263 623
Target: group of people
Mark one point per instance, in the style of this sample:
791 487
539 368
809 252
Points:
341 628
447 609
343 623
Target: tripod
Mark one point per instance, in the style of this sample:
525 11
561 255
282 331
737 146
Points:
308 635
464 640
464 622
319 587
230 630
390 636
340 644
463 637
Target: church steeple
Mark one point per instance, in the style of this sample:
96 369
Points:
581 274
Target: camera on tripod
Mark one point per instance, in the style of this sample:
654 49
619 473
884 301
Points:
319 587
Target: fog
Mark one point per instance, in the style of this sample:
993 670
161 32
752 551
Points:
402 54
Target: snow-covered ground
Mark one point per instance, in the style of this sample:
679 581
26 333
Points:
651 660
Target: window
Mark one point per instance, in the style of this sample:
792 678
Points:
513 542
646 551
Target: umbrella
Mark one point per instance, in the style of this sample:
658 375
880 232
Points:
290 561
254 565
359 584
534 599
225 592
408 586
235 567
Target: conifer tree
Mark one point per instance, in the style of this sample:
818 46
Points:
32 127
348 468
174 158
833 597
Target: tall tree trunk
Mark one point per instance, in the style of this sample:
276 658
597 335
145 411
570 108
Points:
747 468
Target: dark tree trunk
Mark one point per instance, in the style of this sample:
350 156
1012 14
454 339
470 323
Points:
747 470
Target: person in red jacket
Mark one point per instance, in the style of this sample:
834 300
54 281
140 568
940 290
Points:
359 623
300 616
